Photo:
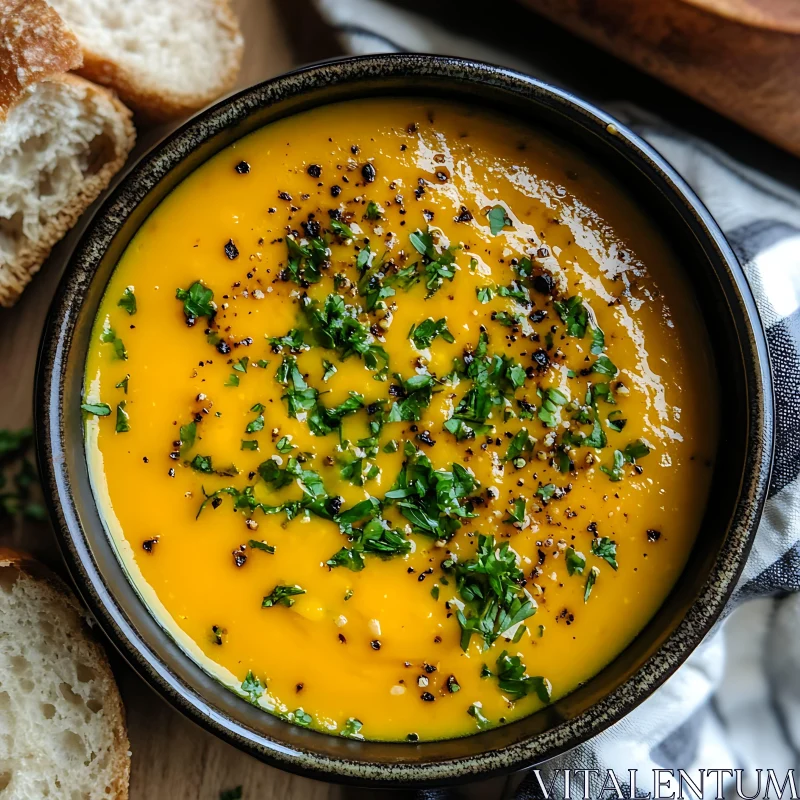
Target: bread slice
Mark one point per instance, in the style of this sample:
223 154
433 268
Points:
62 724
164 59
61 139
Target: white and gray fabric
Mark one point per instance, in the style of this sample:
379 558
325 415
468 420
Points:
735 704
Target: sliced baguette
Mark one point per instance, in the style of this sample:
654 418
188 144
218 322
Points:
62 723
61 139
164 59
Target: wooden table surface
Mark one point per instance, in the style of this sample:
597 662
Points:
172 759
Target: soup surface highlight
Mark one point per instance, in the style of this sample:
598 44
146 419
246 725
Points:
401 417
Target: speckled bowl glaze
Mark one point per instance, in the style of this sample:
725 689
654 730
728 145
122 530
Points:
738 491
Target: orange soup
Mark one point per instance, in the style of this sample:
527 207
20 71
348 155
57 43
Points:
401 417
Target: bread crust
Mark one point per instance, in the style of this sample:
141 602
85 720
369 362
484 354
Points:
16 275
155 103
63 597
35 44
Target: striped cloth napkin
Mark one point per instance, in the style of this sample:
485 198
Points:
735 704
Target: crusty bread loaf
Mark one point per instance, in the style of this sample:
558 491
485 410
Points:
62 725
61 139
164 59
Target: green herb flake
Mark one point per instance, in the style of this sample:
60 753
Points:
128 301
575 561
574 315
604 366
198 301
374 211
249 444
98 409
282 595
513 680
263 546
591 579
252 687
123 420
352 729
476 713
498 219
598 341
300 717
188 434
605 548
123 384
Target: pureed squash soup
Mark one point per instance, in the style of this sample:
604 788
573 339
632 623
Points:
402 418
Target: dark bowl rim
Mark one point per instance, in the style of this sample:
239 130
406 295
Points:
98 596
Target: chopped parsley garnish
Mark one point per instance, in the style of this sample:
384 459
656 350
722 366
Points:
292 341
304 264
635 450
484 293
434 501
123 420
422 335
284 445
335 326
304 399
573 314
249 444
352 729
615 470
516 513
494 381
498 219
123 384
373 211
329 370
252 687
550 410
375 537
300 717
604 366
598 341
414 395
605 548
202 464
616 422
128 301
108 336
341 230
521 443
490 584
98 409
575 561
263 546
476 712
591 579
632 452
282 595
438 266
188 434
233 380
513 680
198 301
257 424
548 492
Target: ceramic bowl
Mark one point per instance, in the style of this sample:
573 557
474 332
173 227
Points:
740 479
